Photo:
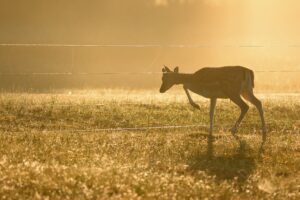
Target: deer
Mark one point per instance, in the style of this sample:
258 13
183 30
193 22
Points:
228 82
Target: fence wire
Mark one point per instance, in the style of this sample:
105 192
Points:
131 46
147 45
115 73
225 127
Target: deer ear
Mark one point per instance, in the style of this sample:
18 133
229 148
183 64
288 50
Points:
167 69
176 70
163 70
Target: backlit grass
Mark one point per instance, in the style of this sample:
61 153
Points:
49 148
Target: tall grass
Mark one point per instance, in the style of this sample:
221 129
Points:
43 157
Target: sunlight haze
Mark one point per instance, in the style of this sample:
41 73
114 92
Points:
259 34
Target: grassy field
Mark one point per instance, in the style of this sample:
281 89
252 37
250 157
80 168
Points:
52 147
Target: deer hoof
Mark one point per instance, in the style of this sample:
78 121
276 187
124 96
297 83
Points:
233 130
264 130
196 106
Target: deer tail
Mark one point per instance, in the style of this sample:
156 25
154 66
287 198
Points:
252 78
249 78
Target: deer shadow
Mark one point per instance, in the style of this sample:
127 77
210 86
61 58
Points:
236 166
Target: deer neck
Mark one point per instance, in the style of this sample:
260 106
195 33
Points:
182 78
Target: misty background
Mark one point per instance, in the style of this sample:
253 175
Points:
260 34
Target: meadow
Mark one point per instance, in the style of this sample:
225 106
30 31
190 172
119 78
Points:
69 145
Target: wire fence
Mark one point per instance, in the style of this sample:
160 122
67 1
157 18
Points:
225 127
142 128
120 129
147 45
133 46
114 73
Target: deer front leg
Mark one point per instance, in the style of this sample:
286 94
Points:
190 98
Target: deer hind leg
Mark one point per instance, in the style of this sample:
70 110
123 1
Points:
244 108
257 103
213 102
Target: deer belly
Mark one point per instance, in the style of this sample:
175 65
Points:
212 94
209 92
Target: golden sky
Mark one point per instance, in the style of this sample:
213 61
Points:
260 34
148 21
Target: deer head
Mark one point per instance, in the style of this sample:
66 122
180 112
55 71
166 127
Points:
168 78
